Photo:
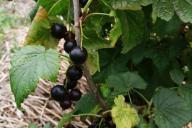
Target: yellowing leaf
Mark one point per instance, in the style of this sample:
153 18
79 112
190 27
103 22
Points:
124 116
39 32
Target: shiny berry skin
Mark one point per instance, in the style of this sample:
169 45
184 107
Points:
74 73
71 84
65 104
69 36
69 45
78 55
83 2
69 126
58 93
58 30
75 94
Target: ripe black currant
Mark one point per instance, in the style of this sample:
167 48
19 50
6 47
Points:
83 2
69 36
78 55
70 126
58 30
66 103
75 94
70 84
69 45
58 93
74 73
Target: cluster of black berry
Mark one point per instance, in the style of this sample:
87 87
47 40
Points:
67 93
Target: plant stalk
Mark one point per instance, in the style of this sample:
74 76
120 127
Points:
86 71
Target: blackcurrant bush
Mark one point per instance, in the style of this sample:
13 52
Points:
70 126
78 55
70 84
58 93
69 45
69 36
58 30
74 73
66 103
83 2
75 94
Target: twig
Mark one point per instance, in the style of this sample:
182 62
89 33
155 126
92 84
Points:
85 68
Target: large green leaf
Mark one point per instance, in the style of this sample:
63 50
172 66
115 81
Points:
61 7
30 64
47 4
165 9
128 4
171 111
186 93
123 82
133 28
39 32
86 104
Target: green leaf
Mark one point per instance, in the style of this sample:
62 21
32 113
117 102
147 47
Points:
177 76
105 91
93 28
124 116
166 9
59 8
31 125
47 4
65 119
164 29
111 62
93 61
86 104
162 9
34 12
28 65
183 9
123 82
186 94
126 4
133 29
170 110
48 125
39 33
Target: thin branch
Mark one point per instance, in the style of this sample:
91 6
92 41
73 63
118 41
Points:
86 71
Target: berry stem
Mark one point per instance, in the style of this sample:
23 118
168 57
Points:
86 71
87 5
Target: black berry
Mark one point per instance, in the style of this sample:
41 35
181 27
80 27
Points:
75 94
69 45
65 104
74 73
58 93
69 36
83 2
58 30
70 126
70 84
78 55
